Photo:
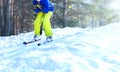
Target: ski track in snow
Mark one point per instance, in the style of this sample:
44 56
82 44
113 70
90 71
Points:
73 50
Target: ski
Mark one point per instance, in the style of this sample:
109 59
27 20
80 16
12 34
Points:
44 42
25 43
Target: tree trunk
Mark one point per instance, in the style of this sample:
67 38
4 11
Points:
64 13
20 6
5 18
8 18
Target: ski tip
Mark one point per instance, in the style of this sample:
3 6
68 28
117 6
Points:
39 44
24 43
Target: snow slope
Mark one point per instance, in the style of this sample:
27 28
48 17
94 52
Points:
73 50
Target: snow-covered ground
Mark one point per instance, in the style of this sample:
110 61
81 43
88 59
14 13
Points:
73 50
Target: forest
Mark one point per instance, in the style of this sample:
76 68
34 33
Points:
16 16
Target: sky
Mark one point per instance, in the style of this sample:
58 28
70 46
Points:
72 50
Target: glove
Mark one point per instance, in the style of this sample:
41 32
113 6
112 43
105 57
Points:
37 6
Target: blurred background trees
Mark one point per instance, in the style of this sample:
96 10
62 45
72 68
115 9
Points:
16 16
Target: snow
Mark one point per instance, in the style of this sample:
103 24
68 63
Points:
73 50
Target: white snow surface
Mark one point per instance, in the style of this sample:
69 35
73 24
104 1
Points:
73 50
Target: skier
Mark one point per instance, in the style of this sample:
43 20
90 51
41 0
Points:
43 10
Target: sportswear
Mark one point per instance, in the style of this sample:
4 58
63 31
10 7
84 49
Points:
42 6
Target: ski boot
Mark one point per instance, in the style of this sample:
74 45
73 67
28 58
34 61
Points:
49 39
36 37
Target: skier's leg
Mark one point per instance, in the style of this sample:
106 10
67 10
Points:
41 27
47 25
37 23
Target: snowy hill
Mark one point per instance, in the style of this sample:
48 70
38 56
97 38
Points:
73 50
